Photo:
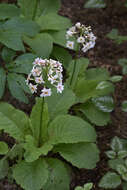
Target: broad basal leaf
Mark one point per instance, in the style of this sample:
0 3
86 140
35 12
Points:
97 74
60 103
4 167
41 44
104 103
31 176
22 26
81 155
59 178
8 54
70 129
3 148
95 115
15 88
52 21
2 81
49 6
8 11
110 180
11 39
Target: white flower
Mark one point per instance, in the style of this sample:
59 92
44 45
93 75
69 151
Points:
72 29
69 34
39 80
70 44
78 25
81 39
33 88
60 88
46 92
85 48
37 61
36 71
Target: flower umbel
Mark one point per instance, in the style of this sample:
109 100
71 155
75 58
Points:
84 36
46 74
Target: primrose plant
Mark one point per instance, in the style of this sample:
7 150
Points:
48 134
118 164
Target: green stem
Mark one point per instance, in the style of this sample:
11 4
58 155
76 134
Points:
35 10
73 73
40 133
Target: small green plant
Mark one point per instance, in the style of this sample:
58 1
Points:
95 4
87 186
123 62
118 163
116 37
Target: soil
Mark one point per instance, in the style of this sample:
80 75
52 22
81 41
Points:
105 54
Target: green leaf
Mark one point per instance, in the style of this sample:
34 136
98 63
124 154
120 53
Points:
39 120
70 129
111 154
116 144
81 155
95 4
121 169
10 127
27 8
86 89
23 63
110 180
38 44
123 62
23 26
102 85
8 11
11 39
115 162
15 151
3 148
116 78
15 88
122 154
95 115
88 186
31 176
99 74
49 6
52 21
124 106
7 54
59 177
59 104
2 81
11 115
4 167
62 55
116 37
104 103
32 152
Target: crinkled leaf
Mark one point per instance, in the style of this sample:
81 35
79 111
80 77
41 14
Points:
31 176
124 106
4 167
104 103
62 55
123 63
60 103
116 78
15 88
59 177
95 4
3 148
41 44
70 129
2 81
95 115
111 154
122 154
52 21
115 162
81 155
116 144
8 11
110 180
121 169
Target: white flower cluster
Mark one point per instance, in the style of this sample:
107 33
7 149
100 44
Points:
83 35
48 73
